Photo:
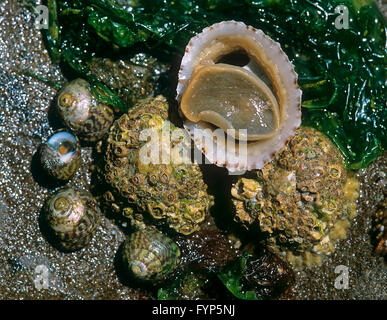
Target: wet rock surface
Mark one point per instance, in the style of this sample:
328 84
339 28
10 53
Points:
30 268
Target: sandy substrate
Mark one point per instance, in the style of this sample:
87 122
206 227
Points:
25 255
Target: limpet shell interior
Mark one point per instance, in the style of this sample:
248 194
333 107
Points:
231 98
271 75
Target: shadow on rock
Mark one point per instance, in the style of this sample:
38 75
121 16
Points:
40 176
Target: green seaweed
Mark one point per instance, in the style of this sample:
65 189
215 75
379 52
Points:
231 276
342 72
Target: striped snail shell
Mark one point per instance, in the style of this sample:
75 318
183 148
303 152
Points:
60 155
82 113
72 217
150 255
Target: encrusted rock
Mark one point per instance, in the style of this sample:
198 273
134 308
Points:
170 193
298 199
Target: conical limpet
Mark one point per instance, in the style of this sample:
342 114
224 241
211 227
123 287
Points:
82 113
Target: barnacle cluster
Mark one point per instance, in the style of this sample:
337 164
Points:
302 199
172 193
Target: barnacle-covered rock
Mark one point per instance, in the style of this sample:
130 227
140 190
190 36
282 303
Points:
302 199
149 255
163 187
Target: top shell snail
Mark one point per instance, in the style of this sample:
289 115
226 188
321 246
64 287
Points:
234 77
72 218
171 193
60 155
82 113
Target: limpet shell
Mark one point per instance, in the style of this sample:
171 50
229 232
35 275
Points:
213 48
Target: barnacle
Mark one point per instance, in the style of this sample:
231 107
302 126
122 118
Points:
299 198
170 193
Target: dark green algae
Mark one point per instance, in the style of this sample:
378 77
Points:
342 72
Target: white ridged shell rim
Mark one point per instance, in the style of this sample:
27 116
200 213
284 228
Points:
260 152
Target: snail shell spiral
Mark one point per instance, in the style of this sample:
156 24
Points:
72 217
